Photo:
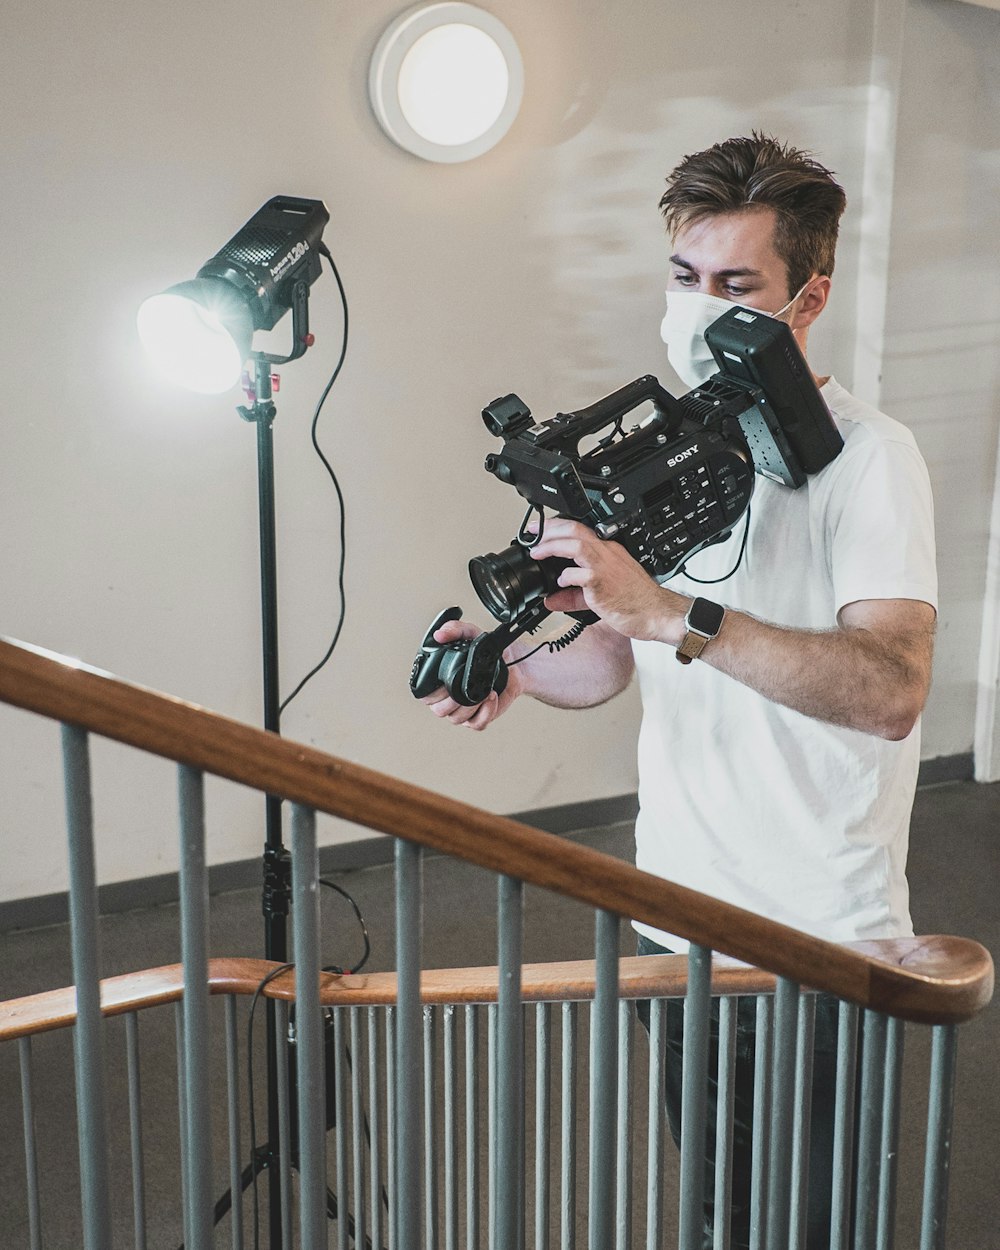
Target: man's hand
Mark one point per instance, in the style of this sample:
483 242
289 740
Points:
871 672
479 717
608 581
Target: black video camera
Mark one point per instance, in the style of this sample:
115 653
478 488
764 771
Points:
673 484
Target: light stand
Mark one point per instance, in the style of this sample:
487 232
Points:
276 894
276 877
199 333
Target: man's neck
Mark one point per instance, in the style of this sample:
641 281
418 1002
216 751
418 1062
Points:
800 337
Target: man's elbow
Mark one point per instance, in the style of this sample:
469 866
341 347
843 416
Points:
898 717
897 730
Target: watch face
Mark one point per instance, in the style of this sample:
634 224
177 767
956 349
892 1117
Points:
705 617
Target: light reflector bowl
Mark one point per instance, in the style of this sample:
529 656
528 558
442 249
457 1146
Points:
196 335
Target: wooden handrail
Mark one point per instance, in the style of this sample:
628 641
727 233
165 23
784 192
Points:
949 980
647 976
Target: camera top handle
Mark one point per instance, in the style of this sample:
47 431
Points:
509 417
666 419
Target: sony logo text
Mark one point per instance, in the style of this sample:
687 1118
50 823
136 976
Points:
682 456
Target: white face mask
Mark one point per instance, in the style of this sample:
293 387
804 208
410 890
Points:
688 316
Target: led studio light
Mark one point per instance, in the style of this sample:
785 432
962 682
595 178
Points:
198 333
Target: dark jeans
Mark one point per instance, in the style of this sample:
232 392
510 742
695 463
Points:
823 1108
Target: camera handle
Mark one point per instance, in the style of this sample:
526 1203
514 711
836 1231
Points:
470 668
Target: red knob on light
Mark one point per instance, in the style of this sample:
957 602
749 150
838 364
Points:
309 339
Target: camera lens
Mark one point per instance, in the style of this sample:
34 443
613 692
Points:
509 581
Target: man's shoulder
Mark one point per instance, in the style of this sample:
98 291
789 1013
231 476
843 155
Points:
860 423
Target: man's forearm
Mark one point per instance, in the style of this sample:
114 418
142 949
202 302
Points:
592 670
871 672
850 676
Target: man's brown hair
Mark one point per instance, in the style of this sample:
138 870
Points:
760 172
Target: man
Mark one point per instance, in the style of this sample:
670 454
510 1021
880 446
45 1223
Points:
776 772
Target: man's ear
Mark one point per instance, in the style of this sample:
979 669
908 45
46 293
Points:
812 302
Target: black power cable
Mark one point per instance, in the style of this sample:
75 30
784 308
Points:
336 486
553 644
712 581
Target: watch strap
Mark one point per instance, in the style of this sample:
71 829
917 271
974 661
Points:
692 646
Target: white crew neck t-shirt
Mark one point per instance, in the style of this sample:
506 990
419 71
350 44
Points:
803 822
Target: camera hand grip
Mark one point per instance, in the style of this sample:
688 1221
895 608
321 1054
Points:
469 669
425 675
481 671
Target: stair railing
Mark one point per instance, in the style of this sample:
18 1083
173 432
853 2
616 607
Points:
937 981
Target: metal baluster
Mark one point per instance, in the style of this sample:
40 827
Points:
340 1132
92 1131
603 1083
779 1189
724 1109
408 1147
623 1199
284 1133
567 1193
450 1152
491 1124
803 1120
510 1066
760 1142
30 1146
471 1128
374 1144
870 1131
430 1142
940 1111
390 1121
309 1048
182 1113
543 1122
523 1134
890 1136
194 948
654 1150
694 1098
135 1130
233 1100
843 1125
358 1198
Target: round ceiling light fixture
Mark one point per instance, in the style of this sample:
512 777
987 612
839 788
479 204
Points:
446 81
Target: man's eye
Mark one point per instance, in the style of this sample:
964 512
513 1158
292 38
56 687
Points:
737 291
685 279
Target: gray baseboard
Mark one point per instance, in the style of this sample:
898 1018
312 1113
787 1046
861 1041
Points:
945 768
50 909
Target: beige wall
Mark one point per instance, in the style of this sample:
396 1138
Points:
137 139
942 365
